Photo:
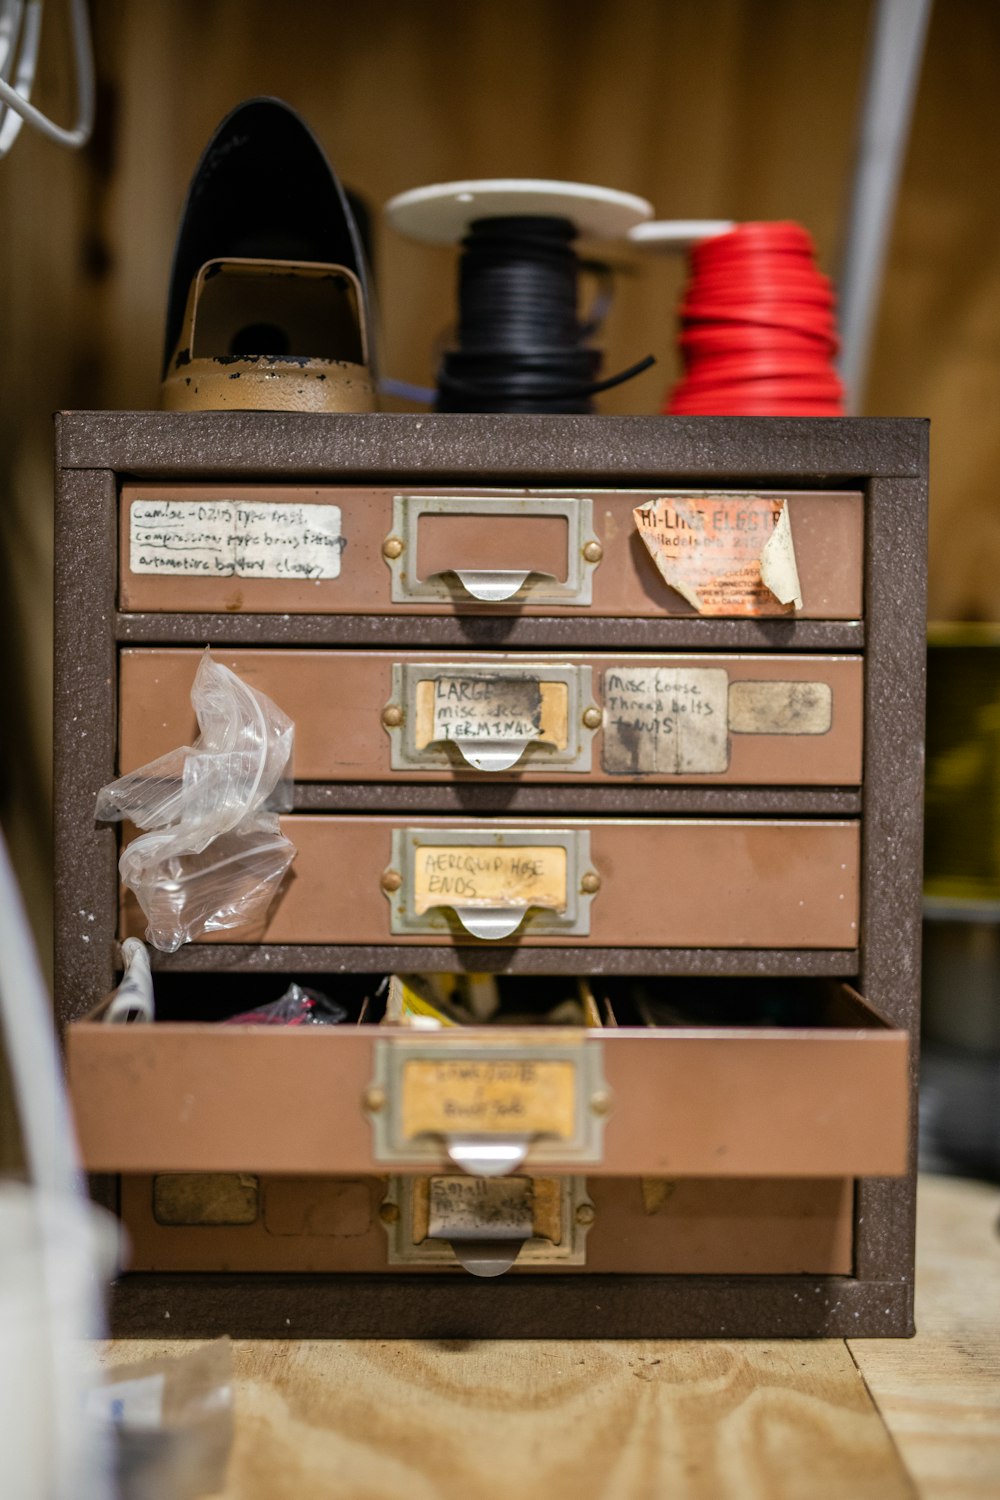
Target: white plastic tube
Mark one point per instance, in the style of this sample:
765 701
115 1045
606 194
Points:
54 1246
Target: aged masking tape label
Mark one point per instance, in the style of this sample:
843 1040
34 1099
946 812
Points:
487 708
486 876
665 719
235 538
780 707
508 1096
724 554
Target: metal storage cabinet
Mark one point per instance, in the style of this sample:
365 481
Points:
813 836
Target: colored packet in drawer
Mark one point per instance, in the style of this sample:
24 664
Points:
433 1001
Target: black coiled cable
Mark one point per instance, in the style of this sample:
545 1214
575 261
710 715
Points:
521 343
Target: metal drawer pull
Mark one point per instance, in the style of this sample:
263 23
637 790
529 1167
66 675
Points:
493 713
489 585
491 880
486 1106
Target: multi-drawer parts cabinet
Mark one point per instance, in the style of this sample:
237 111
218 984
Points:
621 710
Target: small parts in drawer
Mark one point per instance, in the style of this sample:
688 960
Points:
724 554
212 854
296 1007
431 1001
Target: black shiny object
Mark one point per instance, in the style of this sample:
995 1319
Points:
520 340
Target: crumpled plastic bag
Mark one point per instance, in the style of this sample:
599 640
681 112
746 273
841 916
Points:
213 854
298 1006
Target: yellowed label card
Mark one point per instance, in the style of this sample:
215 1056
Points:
480 876
508 1096
724 554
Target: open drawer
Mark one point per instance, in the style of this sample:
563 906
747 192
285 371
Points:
821 1091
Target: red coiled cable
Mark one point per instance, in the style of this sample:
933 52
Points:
758 333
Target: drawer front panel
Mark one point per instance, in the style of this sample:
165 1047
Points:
381 716
697 1226
660 883
686 1102
261 549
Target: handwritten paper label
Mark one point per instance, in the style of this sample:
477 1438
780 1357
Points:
489 708
432 721
780 707
724 554
235 538
665 719
481 1207
472 876
516 1096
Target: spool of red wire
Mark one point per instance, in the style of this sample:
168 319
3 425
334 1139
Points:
758 334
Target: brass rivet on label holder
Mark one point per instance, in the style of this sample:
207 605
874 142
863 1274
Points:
591 882
600 1104
392 716
585 1213
391 880
389 1213
592 718
593 552
374 1100
392 547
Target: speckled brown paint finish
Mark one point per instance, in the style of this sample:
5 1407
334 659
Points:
885 458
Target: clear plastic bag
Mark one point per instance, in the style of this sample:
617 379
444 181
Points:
296 1007
173 1421
212 854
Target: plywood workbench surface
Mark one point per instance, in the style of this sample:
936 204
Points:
378 1420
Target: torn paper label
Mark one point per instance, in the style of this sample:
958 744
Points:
235 538
666 720
780 707
724 554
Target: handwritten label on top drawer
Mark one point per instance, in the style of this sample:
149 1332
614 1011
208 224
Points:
235 538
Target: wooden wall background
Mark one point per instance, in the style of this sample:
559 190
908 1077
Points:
710 108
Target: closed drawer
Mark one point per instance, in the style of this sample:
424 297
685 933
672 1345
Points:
826 1099
650 1225
643 882
333 550
639 882
407 715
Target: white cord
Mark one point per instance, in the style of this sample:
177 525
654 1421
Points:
16 97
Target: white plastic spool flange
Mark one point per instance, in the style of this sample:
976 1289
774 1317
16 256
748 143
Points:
442 213
678 234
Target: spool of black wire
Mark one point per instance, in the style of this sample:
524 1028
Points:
521 345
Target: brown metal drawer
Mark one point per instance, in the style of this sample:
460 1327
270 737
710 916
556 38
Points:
642 883
824 1100
364 716
282 549
746 1226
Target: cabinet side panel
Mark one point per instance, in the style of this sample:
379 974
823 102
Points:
893 830
84 738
